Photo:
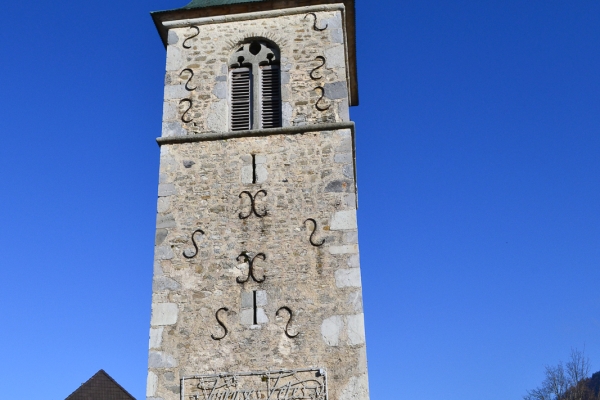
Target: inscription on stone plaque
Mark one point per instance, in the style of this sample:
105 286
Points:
302 384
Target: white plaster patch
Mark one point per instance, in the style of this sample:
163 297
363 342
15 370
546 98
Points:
347 278
343 220
346 249
356 329
155 338
164 314
151 384
331 329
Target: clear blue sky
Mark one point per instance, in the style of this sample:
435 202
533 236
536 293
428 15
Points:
478 140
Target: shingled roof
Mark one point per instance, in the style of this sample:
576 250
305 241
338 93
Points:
100 387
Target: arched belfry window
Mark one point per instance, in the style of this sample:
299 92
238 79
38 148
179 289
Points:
255 86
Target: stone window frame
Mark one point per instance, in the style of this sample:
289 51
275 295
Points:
258 93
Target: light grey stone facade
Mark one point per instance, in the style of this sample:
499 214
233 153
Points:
208 58
237 248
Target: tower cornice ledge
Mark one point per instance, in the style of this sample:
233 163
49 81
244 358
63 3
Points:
289 130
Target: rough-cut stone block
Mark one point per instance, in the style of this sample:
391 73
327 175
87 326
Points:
163 204
347 278
286 113
247 316
344 110
175 92
336 90
350 237
261 298
163 253
354 261
331 329
169 111
170 129
355 300
345 146
151 384
161 283
348 171
247 299
337 36
261 173
261 316
343 220
220 90
155 338
356 329
339 186
335 57
344 158
172 38
166 189
217 117
164 314
247 174
345 249
349 200
174 58
160 236
357 388
159 359
165 221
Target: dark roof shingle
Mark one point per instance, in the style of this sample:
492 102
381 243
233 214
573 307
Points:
100 387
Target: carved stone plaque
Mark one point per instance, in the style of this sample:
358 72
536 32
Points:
302 384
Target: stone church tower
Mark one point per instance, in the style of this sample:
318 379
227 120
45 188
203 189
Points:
257 289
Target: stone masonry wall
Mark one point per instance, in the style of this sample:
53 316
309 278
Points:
200 103
308 175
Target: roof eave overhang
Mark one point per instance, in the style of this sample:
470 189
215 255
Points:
160 17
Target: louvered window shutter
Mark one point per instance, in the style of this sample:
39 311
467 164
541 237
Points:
270 96
241 99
